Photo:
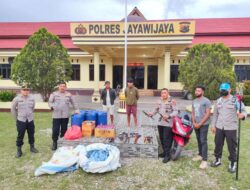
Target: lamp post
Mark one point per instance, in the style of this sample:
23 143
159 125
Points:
125 47
122 99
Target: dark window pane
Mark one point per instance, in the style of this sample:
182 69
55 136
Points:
242 72
8 72
152 76
117 76
76 72
5 71
174 72
102 72
91 72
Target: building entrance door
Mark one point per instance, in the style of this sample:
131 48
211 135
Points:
134 72
137 74
152 76
117 75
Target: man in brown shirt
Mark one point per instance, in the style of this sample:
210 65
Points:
132 95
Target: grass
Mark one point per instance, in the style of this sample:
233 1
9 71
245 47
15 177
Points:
135 173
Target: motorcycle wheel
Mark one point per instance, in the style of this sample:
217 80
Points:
176 150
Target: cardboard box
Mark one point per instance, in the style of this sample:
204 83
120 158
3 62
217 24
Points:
105 131
88 128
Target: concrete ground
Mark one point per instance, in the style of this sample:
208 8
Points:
145 103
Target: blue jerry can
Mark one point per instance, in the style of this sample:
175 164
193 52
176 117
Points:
77 119
102 118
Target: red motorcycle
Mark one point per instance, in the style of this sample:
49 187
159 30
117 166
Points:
182 130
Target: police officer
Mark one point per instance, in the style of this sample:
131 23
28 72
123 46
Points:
59 103
22 109
167 109
224 125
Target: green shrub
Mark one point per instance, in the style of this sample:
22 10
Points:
246 86
246 91
246 100
7 96
208 65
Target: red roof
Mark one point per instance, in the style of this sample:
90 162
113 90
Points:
28 28
233 32
233 42
222 25
20 43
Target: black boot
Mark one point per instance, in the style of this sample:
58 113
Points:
54 145
33 149
166 159
161 155
19 152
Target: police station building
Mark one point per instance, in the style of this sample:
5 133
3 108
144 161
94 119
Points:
155 49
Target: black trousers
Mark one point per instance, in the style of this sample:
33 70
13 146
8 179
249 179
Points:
231 136
59 126
201 136
21 128
166 138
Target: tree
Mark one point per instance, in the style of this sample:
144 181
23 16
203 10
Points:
209 65
42 63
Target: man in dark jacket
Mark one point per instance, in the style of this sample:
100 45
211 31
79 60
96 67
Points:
108 96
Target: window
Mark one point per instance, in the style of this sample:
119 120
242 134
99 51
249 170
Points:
91 72
174 72
102 72
242 72
5 71
76 72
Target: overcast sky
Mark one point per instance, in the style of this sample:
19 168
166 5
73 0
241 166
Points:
100 10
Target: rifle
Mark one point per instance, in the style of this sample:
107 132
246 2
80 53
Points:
152 117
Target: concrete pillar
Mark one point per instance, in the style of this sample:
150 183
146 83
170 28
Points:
109 70
96 94
166 69
145 77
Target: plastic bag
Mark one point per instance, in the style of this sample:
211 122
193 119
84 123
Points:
74 132
99 158
65 159
95 158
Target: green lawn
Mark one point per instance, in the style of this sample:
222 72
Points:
134 174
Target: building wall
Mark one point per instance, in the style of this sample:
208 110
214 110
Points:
84 82
84 63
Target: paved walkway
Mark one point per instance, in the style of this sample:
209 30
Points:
84 102
145 102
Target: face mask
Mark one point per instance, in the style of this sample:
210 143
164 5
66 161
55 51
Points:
199 95
223 92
